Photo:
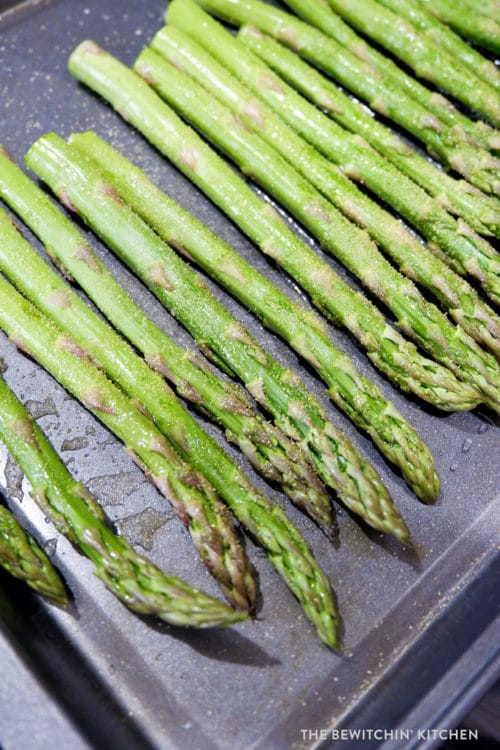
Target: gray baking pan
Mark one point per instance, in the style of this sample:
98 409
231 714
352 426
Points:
418 624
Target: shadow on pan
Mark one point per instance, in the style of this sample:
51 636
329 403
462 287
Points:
64 672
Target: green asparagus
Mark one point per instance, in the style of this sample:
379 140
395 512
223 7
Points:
446 38
278 390
470 24
446 343
481 212
364 79
192 498
133 579
181 229
274 455
412 258
401 38
21 556
268 524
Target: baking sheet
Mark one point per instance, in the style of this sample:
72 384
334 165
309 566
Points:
130 682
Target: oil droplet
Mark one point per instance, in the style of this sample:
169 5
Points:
50 547
453 467
141 527
74 444
111 489
466 445
44 408
14 478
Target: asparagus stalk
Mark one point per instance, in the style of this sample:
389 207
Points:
133 579
21 556
400 37
363 78
275 456
413 259
268 524
278 390
181 229
446 38
446 343
474 26
481 212
193 499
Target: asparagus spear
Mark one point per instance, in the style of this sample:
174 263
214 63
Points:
446 38
361 77
133 579
193 499
268 524
45 289
273 454
471 25
412 258
446 343
21 556
420 53
181 229
278 390
481 212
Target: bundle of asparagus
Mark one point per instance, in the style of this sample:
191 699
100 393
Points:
134 580
21 556
265 128
196 503
447 39
412 257
478 24
192 497
400 37
71 175
446 343
273 454
467 251
480 211
450 136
